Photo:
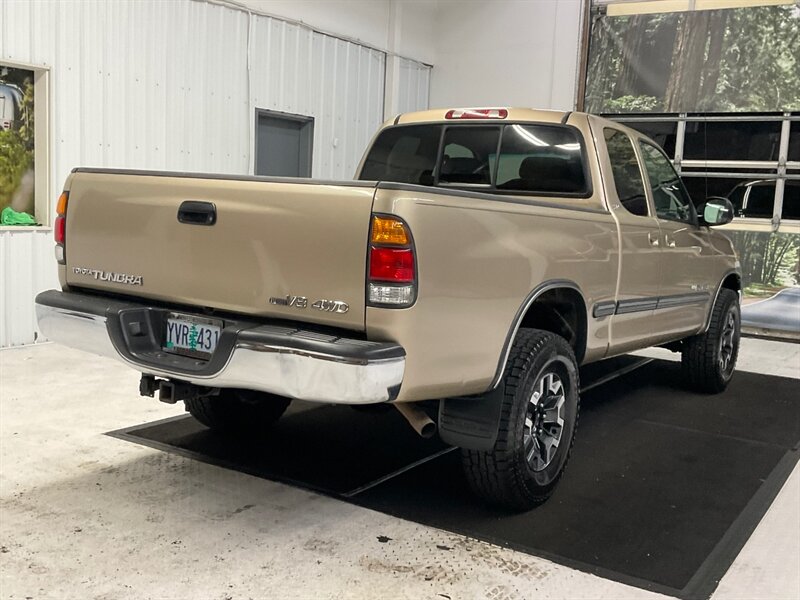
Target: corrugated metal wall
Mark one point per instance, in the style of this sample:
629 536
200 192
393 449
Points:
339 83
27 267
415 83
165 85
154 84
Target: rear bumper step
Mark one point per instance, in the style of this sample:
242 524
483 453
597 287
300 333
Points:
278 359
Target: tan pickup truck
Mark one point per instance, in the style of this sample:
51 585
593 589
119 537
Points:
480 257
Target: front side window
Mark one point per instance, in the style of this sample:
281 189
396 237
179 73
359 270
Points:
670 198
625 170
533 159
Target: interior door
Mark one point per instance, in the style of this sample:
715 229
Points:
283 145
685 291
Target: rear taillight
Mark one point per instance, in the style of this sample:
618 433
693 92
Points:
392 264
60 228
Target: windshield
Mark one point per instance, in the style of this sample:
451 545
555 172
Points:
533 159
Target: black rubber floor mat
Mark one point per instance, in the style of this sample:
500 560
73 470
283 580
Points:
662 490
330 449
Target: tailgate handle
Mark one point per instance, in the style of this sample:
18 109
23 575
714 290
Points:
194 212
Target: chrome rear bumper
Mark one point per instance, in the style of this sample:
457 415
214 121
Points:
282 360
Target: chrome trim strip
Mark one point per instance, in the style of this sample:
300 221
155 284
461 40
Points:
682 299
604 309
289 372
625 307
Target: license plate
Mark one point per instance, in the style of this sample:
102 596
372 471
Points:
192 336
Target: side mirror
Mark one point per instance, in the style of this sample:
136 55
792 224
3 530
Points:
716 211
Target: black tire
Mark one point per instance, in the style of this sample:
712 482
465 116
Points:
709 359
238 411
514 474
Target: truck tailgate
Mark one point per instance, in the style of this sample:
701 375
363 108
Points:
270 240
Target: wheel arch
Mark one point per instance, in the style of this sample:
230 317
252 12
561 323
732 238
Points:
732 280
557 306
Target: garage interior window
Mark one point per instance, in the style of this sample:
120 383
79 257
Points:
696 76
23 146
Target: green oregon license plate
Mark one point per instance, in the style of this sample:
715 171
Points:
192 336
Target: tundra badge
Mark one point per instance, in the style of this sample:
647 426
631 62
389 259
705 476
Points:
109 276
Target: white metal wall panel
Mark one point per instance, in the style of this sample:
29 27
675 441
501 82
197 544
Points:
27 267
415 80
339 83
164 85
151 84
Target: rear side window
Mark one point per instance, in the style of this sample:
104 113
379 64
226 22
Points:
625 169
510 158
404 155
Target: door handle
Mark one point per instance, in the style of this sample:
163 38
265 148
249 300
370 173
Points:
194 212
670 241
653 239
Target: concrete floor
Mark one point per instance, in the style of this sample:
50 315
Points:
84 515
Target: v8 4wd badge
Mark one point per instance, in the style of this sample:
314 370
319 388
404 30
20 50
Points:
301 302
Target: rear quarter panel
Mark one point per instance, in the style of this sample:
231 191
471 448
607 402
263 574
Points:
478 261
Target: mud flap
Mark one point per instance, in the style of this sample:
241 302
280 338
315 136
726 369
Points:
472 422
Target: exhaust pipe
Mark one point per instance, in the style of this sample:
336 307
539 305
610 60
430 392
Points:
417 418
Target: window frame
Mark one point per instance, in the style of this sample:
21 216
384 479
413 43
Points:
588 192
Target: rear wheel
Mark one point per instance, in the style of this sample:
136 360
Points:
538 419
709 359
238 411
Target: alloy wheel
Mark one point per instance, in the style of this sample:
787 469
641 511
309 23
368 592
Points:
544 421
727 342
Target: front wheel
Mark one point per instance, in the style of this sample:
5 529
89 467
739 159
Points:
238 411
539 416
709 359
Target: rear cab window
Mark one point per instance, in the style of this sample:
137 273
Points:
509 158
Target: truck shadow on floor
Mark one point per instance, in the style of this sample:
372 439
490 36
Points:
663 488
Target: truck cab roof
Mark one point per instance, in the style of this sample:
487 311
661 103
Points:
446 115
